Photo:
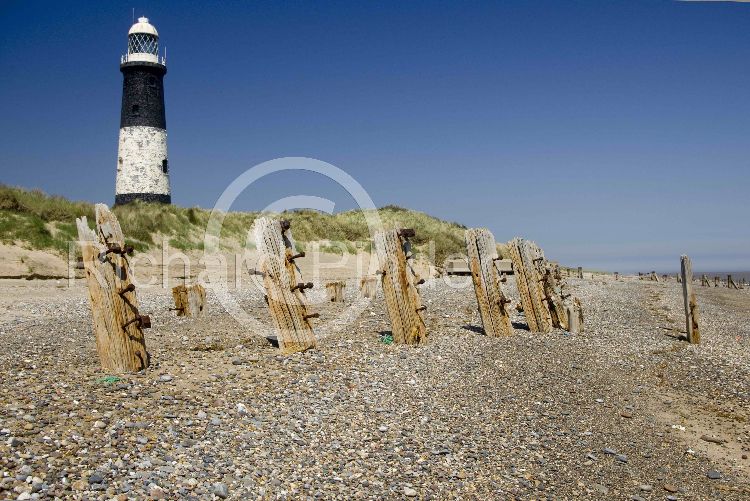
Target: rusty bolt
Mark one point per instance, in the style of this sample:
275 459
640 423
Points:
302 287
144 322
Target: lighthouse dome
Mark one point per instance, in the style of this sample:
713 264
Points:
143 43
143 26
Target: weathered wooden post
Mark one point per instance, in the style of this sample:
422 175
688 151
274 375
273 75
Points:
575 316
285 291
704 281
368 287
717 281
580 272
617 276
399 283
688 297
118 325
335 291
189 301
730 283
482 252
530 286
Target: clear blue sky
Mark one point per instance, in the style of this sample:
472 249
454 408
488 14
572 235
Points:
615 134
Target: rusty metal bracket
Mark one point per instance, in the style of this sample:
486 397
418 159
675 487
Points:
312 315
302 287
295 256
144 322
129 288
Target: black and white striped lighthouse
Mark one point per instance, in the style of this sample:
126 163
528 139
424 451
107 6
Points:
142 165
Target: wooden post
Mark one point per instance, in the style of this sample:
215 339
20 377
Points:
118 325
529 286
285 291
617 276
730 283
399 282
717 281
704 281
688 298
575 317
335 291
482 252
189 301
368 287
580 272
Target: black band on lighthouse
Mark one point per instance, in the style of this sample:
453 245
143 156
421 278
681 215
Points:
143 95
126 198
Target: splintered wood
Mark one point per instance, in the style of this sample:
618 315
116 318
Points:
285 291
688 298
482 253
189 301
529 286
540 286
118 326
399 282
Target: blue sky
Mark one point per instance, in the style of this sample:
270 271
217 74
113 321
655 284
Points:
615 134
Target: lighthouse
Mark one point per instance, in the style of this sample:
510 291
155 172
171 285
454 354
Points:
142 164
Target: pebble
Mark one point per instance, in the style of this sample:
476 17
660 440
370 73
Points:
670 488
221 490
713 475
409 492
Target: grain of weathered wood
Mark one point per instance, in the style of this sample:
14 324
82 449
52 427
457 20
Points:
114 305
691 305
398 281
283 284
529 284
482 253
189 301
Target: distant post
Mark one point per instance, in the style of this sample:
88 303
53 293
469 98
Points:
688 298
580 272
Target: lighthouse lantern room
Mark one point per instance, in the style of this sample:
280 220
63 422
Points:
142 164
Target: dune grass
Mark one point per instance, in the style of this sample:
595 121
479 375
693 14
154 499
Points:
41 221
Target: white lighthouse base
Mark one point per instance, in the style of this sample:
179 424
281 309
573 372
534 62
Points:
142 167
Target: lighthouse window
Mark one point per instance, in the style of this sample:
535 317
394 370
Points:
164 166
139 43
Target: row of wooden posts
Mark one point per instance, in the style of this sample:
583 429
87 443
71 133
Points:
705 281
119 326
